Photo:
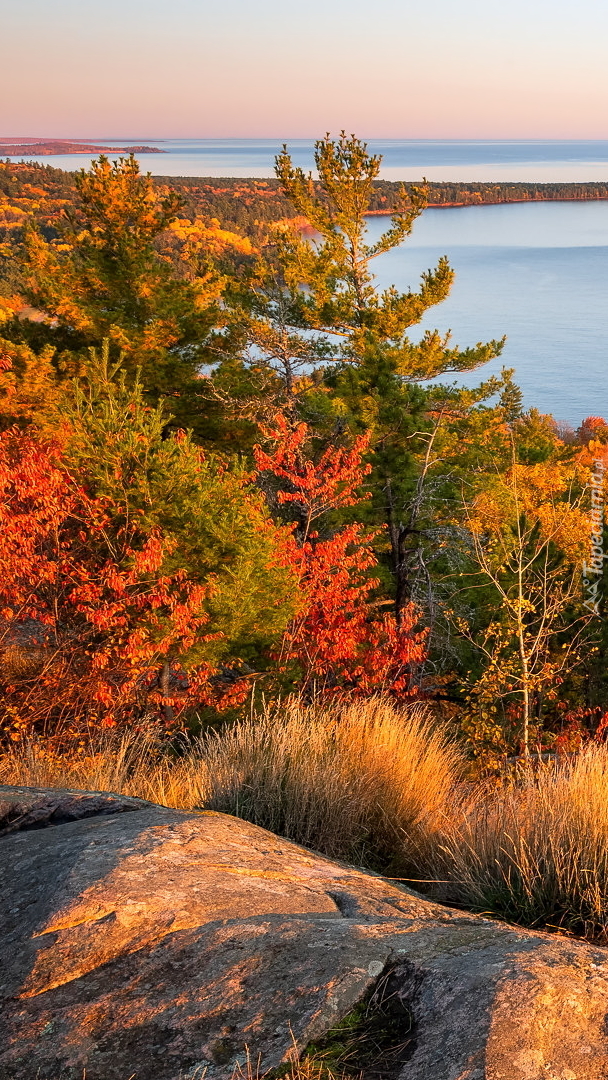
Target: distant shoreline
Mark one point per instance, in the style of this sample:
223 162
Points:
247 200
59 147
246 204
497 202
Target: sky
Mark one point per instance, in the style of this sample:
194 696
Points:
145 69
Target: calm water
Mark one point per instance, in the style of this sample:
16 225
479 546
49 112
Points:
403 159
538 273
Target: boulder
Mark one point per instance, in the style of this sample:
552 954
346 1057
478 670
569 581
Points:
155 944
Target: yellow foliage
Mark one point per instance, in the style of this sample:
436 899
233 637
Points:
28 384
209 238
9 307
546 494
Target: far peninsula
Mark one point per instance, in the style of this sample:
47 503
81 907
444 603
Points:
62 146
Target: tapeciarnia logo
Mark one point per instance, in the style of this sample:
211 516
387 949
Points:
594 569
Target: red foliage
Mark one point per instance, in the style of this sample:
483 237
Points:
316 487
580 724
340 641
593 427
88 617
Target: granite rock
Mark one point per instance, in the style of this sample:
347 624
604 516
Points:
155 944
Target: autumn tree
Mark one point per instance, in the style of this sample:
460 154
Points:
28 384
340 640
90 621
338 348
527 527
149 566
119 448
104 278
593 427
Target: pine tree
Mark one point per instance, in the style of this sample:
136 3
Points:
105 279
370 369
511 399
341 296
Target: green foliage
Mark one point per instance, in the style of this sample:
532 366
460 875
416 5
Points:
106 280
341 296
221 533
327 345
373 380
375 1039
511 398
228 332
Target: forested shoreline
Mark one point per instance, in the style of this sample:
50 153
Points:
245 203
31 191
242 202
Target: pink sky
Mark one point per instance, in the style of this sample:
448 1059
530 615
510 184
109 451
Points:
200 68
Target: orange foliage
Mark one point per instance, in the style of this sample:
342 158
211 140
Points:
9 307
339 641
28 384
593 434
593 427
89 620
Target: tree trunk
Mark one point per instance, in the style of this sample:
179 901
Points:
398 535
525 681
165 689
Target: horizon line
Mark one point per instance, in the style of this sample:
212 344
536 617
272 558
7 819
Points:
298 138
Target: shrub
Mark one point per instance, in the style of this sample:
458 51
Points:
536 851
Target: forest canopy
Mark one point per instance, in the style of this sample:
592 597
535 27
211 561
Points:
225 473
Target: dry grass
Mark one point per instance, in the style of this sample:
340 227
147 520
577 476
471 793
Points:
250 1070
365 782
306 1069
376 786
536 852
104 762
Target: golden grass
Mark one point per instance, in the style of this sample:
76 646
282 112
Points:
376 786
536 851
103 761
365 782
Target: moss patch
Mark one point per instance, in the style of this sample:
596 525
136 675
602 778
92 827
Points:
374 1040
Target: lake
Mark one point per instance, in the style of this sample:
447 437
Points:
403 159
536 272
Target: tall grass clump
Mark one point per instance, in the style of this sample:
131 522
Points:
126 764
535 852
365 782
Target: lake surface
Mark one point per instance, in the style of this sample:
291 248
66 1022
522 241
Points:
535 272
403 159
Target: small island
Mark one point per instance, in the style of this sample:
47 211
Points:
61 146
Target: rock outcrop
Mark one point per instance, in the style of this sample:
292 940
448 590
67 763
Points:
156 944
